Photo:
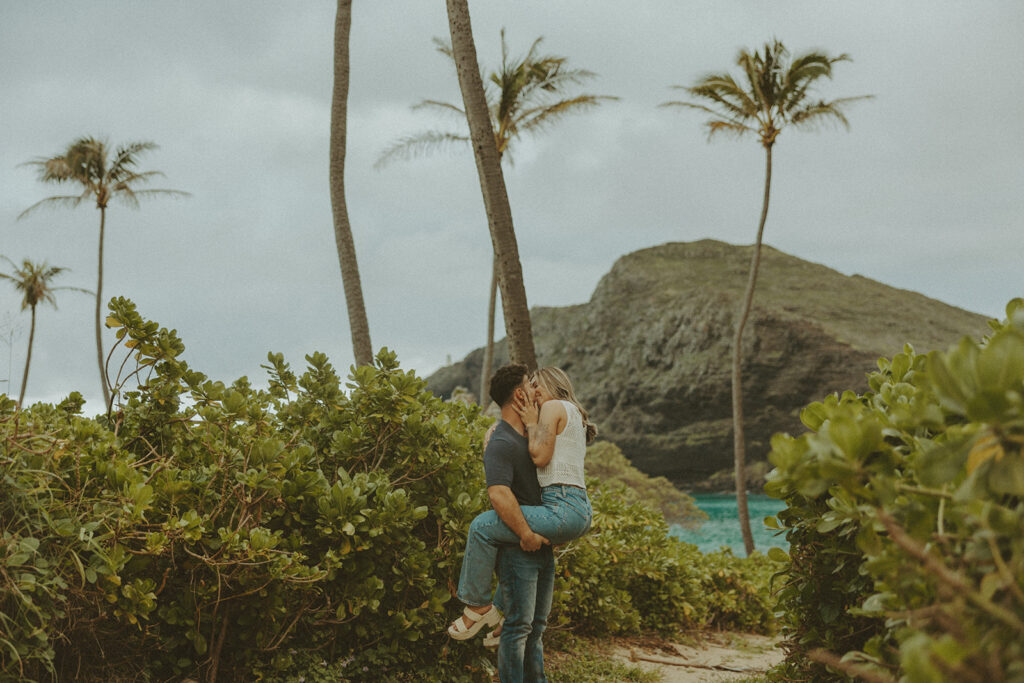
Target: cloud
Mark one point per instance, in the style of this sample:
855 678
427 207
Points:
922 192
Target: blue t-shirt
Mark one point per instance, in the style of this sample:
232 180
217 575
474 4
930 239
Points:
507 463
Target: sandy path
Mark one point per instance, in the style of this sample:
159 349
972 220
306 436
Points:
745 654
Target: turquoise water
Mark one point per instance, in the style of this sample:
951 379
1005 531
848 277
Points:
722 527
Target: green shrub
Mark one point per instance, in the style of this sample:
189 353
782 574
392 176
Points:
905 511
203 529
606 463
314 529
629 574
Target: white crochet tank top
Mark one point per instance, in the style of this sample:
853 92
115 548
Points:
566 466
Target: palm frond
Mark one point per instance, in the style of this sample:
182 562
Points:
417 145
536 118
436 105
525 93
87 158
530 54
718 126
801 75
126 195
444 47
126 154
51 170
70 201
128 177
817 113
81 290
776 93
724 90
810 66
752 67
130 196
719 123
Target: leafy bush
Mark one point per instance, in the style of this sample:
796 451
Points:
606 463
905 511
629 574
311 530
207 528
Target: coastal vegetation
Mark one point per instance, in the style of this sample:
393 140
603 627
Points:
220 530
606 464
308 526
905 506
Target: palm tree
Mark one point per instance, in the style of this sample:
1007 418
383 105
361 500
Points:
358 325
525 95
492 185
102 177
775 93
33 281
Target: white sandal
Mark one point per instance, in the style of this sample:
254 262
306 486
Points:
458 629
492 639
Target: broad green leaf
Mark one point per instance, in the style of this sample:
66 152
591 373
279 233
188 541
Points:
1007 475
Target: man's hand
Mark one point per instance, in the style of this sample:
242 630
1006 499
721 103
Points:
532 541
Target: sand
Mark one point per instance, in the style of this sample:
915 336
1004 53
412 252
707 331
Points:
707 658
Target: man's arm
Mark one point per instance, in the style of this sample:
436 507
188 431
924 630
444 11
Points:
507 507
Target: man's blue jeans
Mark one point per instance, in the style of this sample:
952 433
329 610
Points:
565 515
526 581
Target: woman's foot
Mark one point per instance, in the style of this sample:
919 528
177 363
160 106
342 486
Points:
472 620
494 637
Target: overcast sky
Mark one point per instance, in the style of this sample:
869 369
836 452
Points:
924 192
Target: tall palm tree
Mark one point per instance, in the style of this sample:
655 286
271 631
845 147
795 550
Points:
775 92
358 325
525 95
33 281
492 185
103 175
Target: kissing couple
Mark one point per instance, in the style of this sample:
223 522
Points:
533 463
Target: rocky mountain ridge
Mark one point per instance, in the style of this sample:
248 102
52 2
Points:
649 354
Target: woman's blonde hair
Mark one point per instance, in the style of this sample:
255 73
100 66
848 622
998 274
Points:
557 383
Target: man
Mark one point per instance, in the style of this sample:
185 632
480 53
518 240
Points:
526 574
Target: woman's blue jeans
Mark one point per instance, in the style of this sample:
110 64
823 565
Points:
565 515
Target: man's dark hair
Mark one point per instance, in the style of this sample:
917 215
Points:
505 381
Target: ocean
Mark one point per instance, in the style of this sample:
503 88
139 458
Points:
723 528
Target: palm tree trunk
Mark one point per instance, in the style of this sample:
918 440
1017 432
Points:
28 358
99 323
361 348
739 447
488 364
492 184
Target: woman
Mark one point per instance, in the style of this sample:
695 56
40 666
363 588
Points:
558 431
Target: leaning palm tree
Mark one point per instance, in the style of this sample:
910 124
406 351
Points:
524 96
492 186
358 325
775 92
33 281
103 175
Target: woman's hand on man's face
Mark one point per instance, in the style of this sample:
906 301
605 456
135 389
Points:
527 408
